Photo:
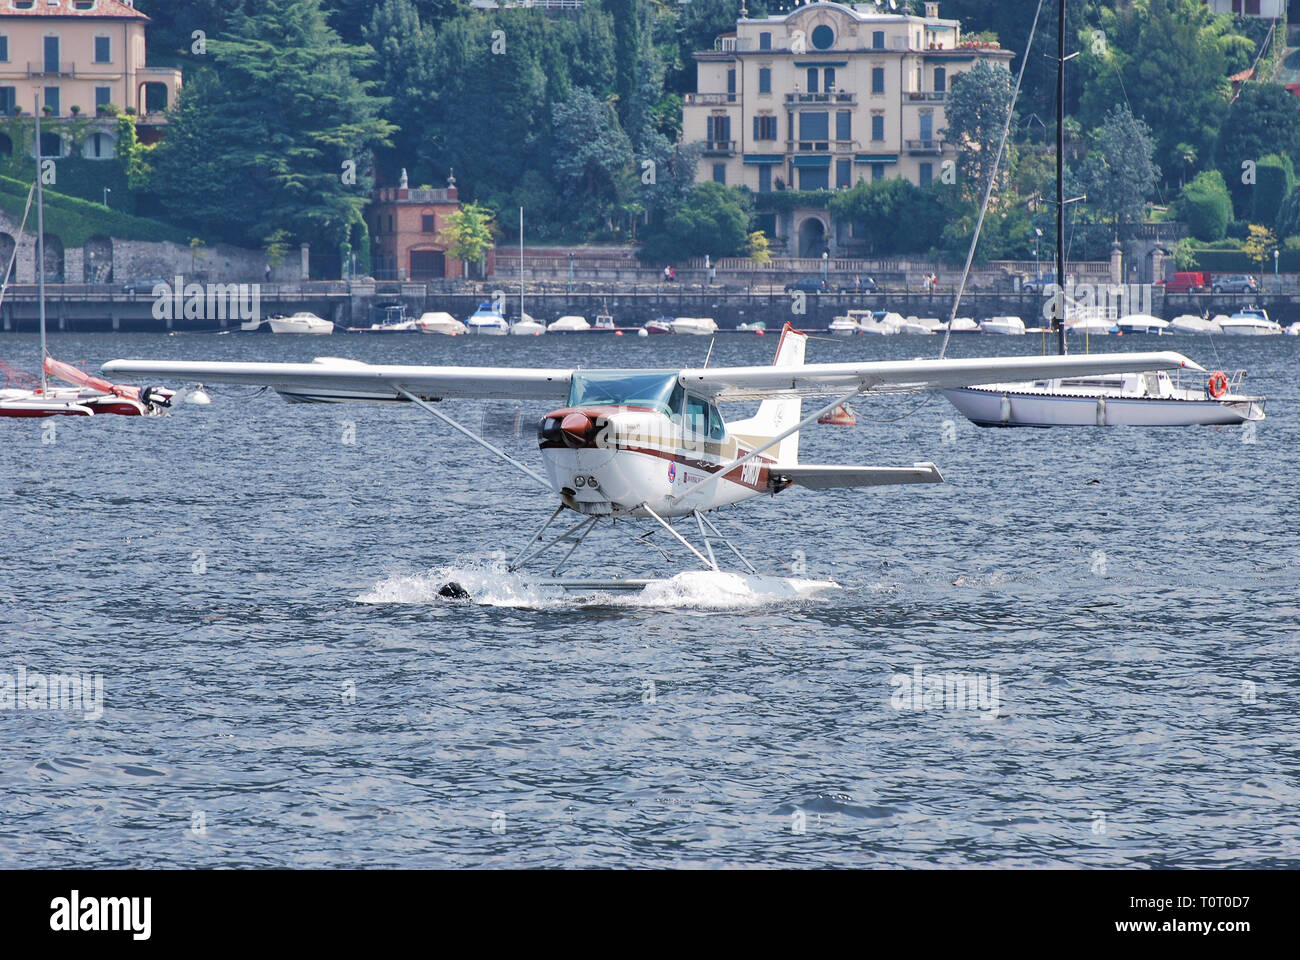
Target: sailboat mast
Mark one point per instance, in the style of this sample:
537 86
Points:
1058 318
521 264
40 243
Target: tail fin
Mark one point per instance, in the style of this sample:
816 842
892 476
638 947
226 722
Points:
776 415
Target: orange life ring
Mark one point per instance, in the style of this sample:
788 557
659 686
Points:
1218 384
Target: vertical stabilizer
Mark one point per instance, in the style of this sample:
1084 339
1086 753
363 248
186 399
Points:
778 414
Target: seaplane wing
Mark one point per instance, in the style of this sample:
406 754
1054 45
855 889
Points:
817 477
331 379
890 376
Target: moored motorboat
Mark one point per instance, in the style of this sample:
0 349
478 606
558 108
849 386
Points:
441 323
1007 326
303 322
527 327
698 326
487 321
569 325
844 327
1250 322
959 325
1142 323
1190 323
662 325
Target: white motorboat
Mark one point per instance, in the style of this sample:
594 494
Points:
527 327
880 323
1092 326
1293 330
395 321
1006 326
441 323
660 326
916 326
1250 322
604 322
960 325
301 322
569 325
1142 323
1133 399
699 326
1190 323
487 321
844 327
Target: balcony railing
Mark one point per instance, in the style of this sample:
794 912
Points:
719 148
928 96
924 146
836 96
64 68
709 99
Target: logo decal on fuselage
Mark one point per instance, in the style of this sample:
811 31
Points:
672 472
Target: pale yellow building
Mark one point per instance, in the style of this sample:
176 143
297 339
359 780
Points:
825 96
82 53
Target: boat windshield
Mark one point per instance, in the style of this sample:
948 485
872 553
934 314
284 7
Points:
655 389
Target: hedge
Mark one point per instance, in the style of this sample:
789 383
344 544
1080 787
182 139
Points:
75 221
1234 261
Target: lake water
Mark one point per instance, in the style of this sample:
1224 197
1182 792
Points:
255 584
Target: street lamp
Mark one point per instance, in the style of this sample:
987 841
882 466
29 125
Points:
1038 235
1276 286
107 191
826 268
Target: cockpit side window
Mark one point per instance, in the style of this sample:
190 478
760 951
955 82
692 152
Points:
703 419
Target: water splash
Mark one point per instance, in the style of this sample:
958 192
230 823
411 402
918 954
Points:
491 584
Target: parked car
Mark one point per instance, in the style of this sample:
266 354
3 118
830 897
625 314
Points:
1237 283
860 285
144 286
1187 282
806 285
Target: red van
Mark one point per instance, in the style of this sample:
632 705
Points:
1187 283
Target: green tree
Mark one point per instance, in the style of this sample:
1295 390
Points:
713 219
759 248
1288 220
895 215
976 111
468 233
1274 180
591 156
1206 206
1164 58
1119 174
246 166
1259 245
405 74
1264 120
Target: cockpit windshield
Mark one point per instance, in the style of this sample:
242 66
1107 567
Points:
656 389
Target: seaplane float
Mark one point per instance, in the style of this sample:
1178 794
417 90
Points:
652 445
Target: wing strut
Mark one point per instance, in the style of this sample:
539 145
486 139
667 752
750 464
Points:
715 477
470 433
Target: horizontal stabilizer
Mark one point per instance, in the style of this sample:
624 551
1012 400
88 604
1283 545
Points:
824 477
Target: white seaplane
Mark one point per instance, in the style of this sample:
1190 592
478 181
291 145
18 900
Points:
652 444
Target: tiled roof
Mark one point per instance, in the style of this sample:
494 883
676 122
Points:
101 9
